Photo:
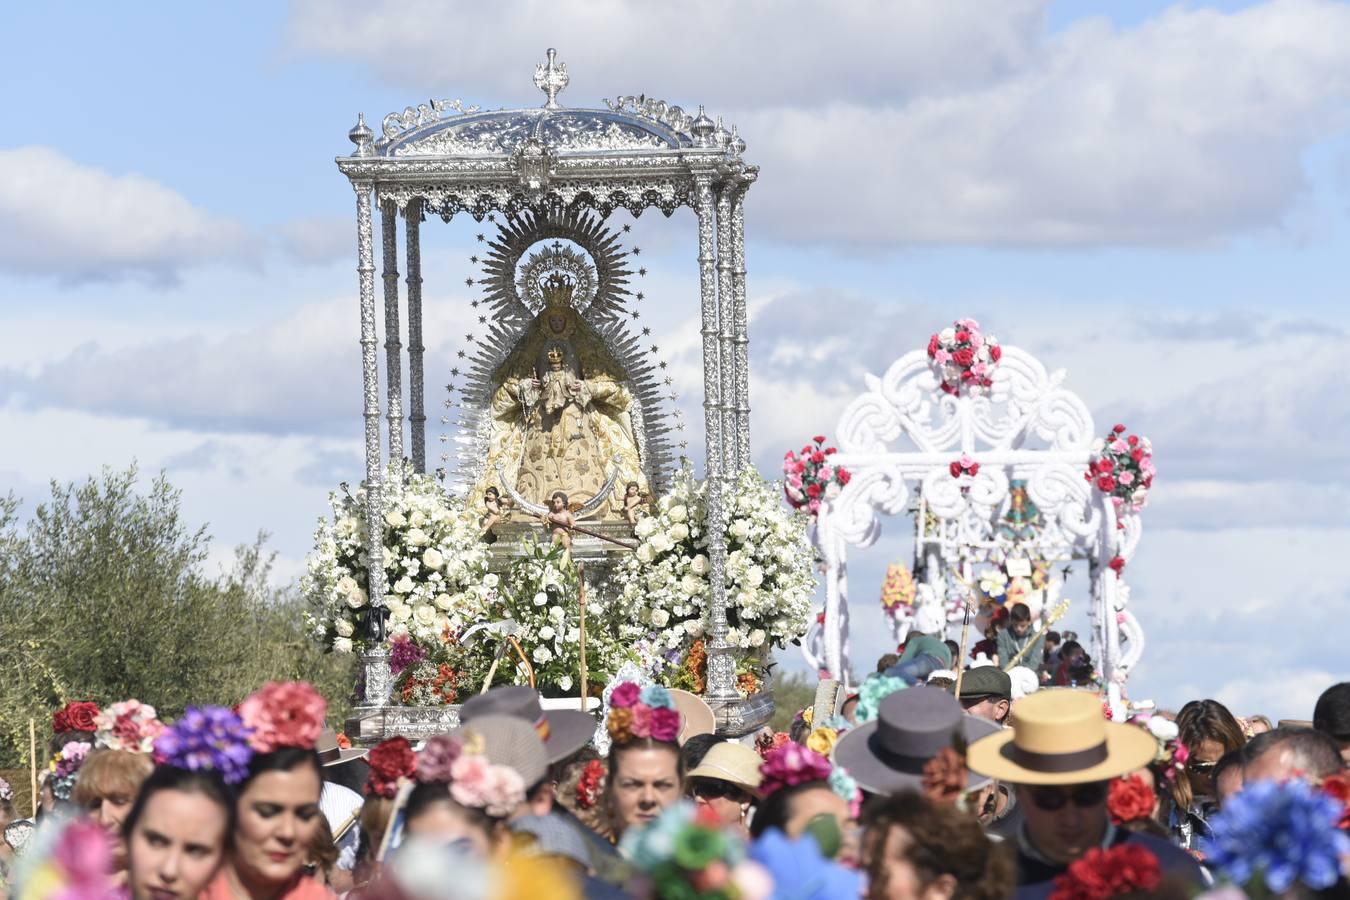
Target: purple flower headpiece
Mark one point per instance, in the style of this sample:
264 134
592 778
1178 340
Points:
791 765
207 738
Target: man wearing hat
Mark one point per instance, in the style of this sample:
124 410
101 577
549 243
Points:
1061 754
887 755
986 693
344 772
1331 716
727 781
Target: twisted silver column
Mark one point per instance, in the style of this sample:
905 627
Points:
725 351
370 383
417 414
393 350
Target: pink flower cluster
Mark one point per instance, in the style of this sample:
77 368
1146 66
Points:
963 357
791 765
477 783
71 757
284 714
1121 466
436 759
810 478
637 713
130 725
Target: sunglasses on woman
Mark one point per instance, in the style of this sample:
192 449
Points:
1083 796
713 789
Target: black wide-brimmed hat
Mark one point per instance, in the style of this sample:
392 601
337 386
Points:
563 731
887 755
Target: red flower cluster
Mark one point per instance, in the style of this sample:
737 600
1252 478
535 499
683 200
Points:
811 478
1121 466
1129 798
591 784
389 760
1123 869
1338 787
75 716
964 466
1117 565
963 356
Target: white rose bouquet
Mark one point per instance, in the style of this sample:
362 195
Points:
435 566
664 586
540 593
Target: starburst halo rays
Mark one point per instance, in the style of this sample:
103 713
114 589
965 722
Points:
511 266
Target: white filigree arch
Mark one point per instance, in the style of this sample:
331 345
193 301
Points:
899 439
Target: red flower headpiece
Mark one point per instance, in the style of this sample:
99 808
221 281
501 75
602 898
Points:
1123 869
591 784
389 760
77 715
1129 799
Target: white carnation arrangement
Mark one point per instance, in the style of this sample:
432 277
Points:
664 585
435 565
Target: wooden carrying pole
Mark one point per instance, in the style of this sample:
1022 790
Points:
581 597
958 664
32 767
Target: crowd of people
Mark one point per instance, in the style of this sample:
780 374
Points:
912 786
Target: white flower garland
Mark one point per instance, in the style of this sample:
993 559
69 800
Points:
664 586
435 565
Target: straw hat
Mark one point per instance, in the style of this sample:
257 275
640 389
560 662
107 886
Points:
563 731
731 762
887 755
1061 737
696 716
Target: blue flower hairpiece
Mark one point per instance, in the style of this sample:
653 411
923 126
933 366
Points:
1283 833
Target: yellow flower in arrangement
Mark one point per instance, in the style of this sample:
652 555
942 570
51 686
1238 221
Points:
822 740
1017 592
897 590
808 714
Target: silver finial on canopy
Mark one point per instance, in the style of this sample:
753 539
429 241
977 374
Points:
737 145
551 78
362 136
702 128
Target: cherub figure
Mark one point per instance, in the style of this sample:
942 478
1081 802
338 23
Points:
559 520
633 501
495 506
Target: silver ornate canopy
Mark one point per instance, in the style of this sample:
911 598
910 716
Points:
444 157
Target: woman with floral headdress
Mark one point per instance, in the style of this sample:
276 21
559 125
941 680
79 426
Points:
646 771
121 760
277 802
177 830
803 793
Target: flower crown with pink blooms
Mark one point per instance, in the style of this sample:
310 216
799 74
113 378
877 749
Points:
790 765
212 738
637 713
130 725
460 761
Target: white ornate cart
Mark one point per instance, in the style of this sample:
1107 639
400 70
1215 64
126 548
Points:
899 440
552 164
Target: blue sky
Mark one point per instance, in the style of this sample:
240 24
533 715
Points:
1156 203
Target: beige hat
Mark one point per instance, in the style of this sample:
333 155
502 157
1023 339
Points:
731 762
1061 737
696 716
512 742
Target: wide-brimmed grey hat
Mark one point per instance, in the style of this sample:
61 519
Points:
510 741
563 731
887 755
331 753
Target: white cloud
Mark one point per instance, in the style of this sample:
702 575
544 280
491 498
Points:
706 51
889 124
80 223
319 239
1186 129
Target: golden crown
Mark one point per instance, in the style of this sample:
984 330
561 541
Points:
555 354
557 289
